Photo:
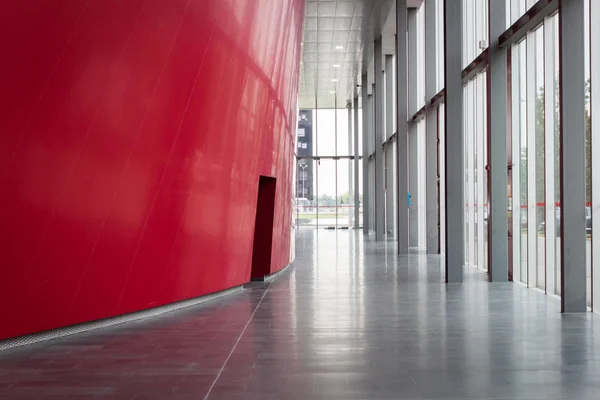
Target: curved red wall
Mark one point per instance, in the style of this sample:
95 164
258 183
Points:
132 137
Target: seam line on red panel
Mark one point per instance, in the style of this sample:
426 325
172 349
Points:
125 47
46 85
162 177
236 343
187 202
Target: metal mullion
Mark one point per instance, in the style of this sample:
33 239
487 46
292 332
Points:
528 21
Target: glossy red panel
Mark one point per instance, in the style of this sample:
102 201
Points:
132 137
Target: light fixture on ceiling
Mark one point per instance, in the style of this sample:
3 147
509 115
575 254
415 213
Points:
334 80
332 91
336 65
339 47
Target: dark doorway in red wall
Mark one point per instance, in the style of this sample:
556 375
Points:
263 229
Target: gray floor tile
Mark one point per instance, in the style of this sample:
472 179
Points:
350 320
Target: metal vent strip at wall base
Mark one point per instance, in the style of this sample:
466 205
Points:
270 277
106 322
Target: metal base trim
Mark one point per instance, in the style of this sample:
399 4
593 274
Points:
110 321
270 277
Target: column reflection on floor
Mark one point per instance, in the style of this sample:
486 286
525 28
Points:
349 320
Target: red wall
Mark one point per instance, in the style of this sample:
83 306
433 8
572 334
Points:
132 137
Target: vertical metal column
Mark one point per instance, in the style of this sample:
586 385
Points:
413 148
455 240
572 155
390 184
351 189
356 171
497 159
372 175
378 122
401 127
431 169
365 137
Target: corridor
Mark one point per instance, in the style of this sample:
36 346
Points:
350 320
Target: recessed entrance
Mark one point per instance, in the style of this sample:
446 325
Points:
263 229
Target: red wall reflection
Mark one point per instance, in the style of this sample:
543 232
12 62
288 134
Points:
132 137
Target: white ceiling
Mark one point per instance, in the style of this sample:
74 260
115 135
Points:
338 46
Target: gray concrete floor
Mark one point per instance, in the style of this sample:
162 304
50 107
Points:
351 320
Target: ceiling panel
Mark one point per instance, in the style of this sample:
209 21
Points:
337 46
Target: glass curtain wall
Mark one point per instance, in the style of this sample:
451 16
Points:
588 150
421 202
439 35
475 29
475 133
534 208
323 195
535 186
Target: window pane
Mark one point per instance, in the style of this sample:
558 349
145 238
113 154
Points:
519 162
442 169
539 166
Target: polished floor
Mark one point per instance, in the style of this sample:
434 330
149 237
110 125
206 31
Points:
350 320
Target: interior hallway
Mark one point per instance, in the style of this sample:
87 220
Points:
350 320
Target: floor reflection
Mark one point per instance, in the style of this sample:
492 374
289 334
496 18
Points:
350 320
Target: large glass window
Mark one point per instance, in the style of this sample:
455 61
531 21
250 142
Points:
519 161
442 173
421 57
475 32
537 165
326 212
553 155
421 198
439 34
588 154
475 132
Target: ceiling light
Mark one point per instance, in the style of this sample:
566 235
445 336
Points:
334 80
332 91
336 65
339 47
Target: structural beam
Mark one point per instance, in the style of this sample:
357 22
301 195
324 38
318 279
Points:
572 155
365 168
454 142
401 126
431 168
378 124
